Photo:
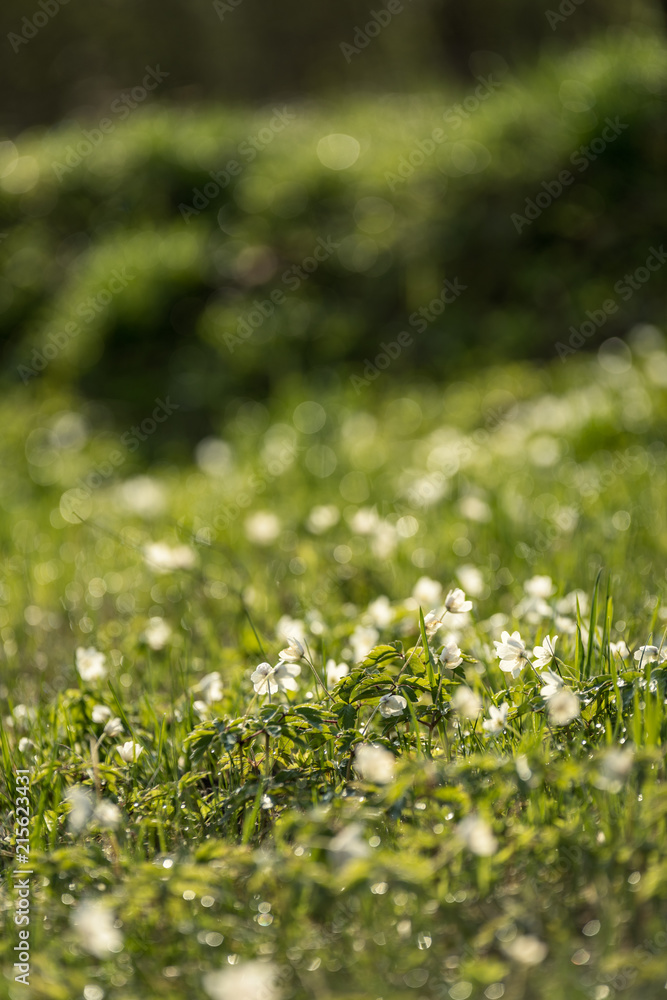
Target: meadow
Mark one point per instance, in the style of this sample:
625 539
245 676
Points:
295 718
333 534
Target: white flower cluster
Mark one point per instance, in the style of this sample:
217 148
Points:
281 677
563 705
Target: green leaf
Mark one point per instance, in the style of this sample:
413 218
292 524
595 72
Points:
592 626
317 716
347 715
428 655
379 655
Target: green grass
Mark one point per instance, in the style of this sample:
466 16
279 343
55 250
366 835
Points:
529 863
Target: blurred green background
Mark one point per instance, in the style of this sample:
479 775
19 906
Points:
247 51
211 200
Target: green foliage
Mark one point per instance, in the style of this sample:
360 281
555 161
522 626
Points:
461 857
218 48
158 282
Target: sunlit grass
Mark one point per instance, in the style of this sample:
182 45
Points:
389 810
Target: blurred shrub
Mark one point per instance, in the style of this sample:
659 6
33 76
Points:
213 253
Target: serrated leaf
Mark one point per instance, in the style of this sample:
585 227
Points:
347 715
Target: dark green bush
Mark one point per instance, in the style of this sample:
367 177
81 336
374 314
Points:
158 281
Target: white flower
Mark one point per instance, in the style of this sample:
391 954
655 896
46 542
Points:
471 580
90 663
113 727
615 767
497 719
262 679
336 672
374 763
523 767
285 674
425 491
201 708
432 622
545 653
24 714
81 801
392 704
563 707
532 609
157 633
466 703
526 949
539 586
315 622
567 625
384 541
650 654
512 652
381 612
475 509
568 605
294 651
214 457
101 713
210 687
533 606
456 603
107 815
25 744
427 592
365 521
553 682
478 836
451 654
130 751
143 495
246 981
290 628
262 528
362 641
163 557
269 680
322 518
94 924
349 844
619 649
